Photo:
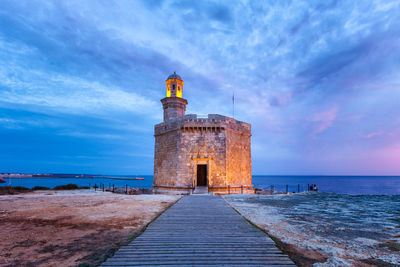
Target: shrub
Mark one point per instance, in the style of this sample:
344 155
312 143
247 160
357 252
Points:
5 190
84 187
10 190
20 188
66 187
40 188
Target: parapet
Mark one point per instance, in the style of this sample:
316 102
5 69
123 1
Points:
195 121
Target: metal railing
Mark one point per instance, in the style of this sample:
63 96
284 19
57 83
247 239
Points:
284 188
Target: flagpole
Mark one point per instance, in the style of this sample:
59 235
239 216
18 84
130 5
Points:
233 105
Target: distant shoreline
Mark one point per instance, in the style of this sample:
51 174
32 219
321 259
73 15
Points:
73 177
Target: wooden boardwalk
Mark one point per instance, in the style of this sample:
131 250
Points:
200 230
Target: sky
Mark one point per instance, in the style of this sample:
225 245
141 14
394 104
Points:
319 81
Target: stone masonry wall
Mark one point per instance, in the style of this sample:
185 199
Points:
174 107
238 158
202 146
221 143
166 159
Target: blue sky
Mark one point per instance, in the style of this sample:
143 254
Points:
80 81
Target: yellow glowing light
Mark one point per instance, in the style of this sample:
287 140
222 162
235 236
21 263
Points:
178 92
168 92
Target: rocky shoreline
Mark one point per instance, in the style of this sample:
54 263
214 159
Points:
326 229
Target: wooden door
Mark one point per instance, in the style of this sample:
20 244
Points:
201 175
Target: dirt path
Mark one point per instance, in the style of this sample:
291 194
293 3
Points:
67 228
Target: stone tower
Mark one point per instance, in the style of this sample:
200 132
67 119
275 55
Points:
174 105
212 153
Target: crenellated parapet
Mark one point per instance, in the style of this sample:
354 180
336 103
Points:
213 123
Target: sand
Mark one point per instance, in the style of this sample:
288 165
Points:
68 228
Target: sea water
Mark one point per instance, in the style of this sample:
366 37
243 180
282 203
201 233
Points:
353 185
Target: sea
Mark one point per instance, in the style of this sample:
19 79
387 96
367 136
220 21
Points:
352 185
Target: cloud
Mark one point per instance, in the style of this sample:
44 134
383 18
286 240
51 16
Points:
324 120
374 134
93 135
92 73
48 88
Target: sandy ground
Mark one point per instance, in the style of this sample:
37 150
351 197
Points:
324 229
68 228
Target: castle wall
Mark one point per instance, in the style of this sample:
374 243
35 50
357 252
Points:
202 145
238 157
221 143
166 159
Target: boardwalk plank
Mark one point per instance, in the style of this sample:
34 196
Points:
200 230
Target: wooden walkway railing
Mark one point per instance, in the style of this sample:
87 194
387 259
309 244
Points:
200 230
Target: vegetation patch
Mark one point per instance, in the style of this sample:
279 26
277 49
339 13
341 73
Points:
391 246
66 187
10 190
40 188
84 187
21 188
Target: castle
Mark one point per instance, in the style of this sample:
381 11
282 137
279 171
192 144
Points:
193 154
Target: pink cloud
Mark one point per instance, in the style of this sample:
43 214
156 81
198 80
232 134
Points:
374 134
324 120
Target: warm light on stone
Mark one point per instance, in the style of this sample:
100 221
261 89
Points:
214 152
174 85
